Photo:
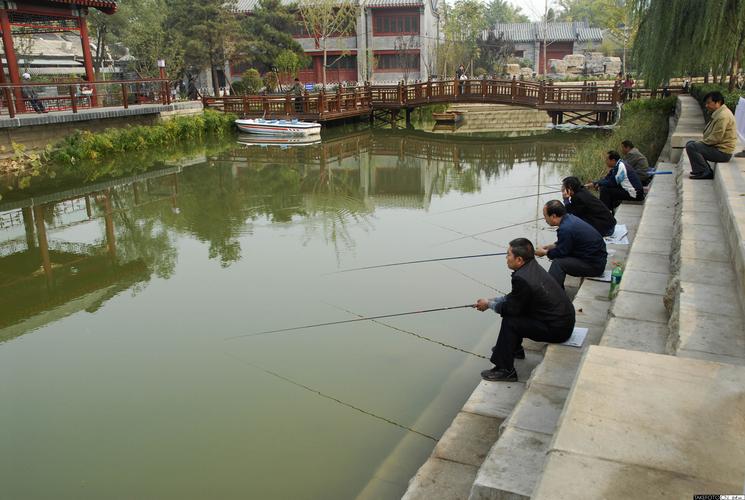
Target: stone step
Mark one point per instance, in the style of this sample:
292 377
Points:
641 425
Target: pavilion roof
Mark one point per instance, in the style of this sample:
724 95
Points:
105 6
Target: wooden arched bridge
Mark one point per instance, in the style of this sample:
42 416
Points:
565 103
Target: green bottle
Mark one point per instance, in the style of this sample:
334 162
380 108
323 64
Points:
615 281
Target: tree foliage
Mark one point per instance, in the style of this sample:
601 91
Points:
501 11
267 33
206 30
463 26
689 37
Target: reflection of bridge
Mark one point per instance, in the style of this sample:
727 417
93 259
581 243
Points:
424 146
564 103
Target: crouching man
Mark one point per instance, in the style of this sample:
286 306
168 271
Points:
537 308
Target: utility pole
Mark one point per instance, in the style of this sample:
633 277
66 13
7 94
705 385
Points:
545 36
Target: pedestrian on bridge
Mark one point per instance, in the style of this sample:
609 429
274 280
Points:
579 249
536 308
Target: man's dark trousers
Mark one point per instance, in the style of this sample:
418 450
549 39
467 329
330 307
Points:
613 196
515 328
573 267
699 153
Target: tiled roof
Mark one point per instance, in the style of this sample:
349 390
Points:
555 32
250 5
107 7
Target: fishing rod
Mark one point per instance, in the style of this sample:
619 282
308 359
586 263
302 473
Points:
419 262
332 398
330 323
495 201
490 231
408 332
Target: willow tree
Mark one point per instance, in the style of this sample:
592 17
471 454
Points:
326 19
689 36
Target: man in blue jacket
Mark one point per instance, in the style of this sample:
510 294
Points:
621 183
579 249
536 308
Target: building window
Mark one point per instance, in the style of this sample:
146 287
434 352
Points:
344 62
396 24
398 62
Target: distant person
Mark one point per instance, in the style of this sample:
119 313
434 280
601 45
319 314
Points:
620 184
583 204
191 90
536 308
720 138
31 96
461 76
297 91
579 249
628 87
636 160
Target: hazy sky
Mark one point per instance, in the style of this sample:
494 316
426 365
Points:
532 8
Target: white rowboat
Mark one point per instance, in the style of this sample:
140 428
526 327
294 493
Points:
286 128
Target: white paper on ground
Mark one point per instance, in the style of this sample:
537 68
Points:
577 338
619 236
605 277
740 119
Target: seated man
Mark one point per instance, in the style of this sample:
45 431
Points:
636 160
720 138
579 249
536 308
582 203
620 184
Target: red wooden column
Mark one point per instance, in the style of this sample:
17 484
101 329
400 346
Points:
10 56
88 58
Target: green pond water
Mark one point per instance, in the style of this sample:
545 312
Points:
120 301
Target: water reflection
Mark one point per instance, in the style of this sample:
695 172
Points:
131 286
113 236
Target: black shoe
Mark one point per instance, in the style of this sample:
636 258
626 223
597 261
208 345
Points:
701 177
741 154
499 375
520 353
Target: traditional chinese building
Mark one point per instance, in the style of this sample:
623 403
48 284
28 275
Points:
394 40
21 20
561 39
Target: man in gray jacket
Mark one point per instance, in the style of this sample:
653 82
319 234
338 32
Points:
636 160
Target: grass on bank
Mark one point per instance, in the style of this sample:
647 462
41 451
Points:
643 122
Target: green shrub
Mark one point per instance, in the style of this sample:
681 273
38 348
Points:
643 122
699 90
88 146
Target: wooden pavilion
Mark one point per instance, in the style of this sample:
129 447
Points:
23 17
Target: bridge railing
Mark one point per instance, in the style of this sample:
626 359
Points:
72 96
317 104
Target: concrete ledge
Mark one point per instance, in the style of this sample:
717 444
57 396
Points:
636 417
441 479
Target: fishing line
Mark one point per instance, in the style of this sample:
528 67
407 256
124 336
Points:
408 332
419 262
464 234
490 231
281 330
493 202
473 279
332 398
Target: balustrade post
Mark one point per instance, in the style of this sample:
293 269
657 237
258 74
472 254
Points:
429 88
513 88
400 92
264 103
354 96
305 105
456 88
321 102
338 98
245 106
288 104
9 102
73 102
125 96
542 92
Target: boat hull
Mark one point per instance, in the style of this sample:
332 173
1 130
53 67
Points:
279 128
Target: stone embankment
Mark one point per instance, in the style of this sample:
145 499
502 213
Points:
652 405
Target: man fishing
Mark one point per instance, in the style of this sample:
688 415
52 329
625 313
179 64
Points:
536 308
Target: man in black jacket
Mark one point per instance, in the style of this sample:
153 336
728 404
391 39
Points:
582 203
536 308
